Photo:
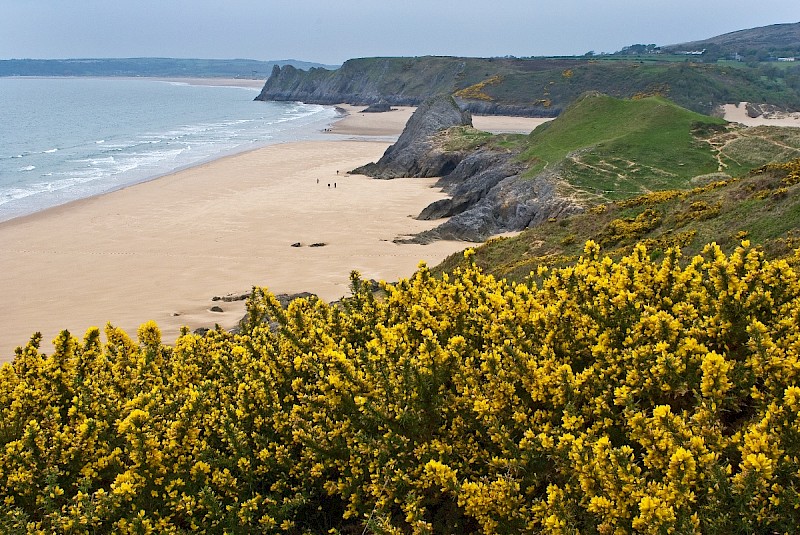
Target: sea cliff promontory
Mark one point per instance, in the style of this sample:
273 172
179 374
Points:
487 192
600 149
416 154
539 87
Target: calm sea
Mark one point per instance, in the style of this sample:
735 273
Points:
63 139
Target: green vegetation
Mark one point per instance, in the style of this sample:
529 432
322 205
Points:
463 138
616 148
613 372
762 206
542 86
696 86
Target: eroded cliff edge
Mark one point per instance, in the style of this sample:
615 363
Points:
488 189
394 81
416 153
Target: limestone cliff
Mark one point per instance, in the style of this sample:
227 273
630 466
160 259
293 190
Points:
488 193
527 86
415 153
395 81
490 196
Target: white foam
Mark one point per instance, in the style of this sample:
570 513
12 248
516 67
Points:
106 161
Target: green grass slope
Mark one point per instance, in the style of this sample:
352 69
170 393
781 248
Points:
606 149
615 148
696 86
762 206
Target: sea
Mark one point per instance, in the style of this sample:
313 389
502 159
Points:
63 139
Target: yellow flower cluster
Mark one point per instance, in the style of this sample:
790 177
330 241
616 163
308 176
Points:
789 171
630 227
608 397
475 91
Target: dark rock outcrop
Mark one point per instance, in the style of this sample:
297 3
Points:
482 107
490 196
231 297
471 181
415 154
514 204
380 107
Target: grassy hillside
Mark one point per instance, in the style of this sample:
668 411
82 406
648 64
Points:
696 86
615 148
776 40
763 206
605 149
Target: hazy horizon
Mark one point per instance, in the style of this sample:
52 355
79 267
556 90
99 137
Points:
330 33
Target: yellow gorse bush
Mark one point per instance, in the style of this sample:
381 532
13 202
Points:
606 397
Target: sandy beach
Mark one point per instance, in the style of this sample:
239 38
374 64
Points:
737 113
162 249
216 82
391 123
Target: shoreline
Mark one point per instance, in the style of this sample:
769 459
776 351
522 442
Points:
163 248
312 120
160 250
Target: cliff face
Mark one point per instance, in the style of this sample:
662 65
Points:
488 193
395 81
415 154
540 87
362 82
490 196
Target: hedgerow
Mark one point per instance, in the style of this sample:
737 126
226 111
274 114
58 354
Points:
605 397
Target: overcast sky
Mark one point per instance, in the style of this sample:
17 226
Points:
332 31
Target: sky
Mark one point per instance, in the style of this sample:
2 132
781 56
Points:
332 31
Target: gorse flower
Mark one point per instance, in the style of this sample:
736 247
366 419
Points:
609 396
